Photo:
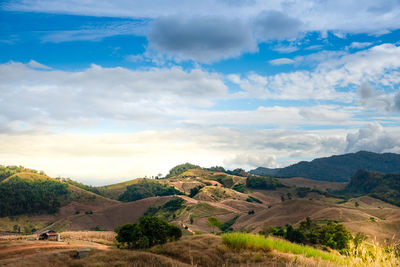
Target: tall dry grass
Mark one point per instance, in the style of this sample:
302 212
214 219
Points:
109 258
102 237
373 254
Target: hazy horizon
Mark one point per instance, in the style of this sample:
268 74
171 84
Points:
102 92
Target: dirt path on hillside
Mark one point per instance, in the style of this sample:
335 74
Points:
15 251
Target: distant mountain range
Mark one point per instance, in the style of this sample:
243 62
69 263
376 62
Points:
337 168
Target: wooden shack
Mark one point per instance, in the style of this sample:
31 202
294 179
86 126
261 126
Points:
49 235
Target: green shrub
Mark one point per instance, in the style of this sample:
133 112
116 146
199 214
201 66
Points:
227 226
195 190
149 231
239 187
253 199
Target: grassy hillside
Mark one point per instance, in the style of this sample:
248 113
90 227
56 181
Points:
340 168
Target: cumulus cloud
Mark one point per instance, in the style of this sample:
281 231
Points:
372 138
46 97
379 65
281 61
201 38
378 100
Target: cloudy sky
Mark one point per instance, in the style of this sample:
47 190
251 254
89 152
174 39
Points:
104 91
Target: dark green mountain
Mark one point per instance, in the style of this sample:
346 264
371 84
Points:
376 184
338 168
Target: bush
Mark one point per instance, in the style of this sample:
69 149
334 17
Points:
253 199
195 190
227 226
239 187
149 231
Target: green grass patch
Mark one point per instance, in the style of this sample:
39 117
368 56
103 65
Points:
240 241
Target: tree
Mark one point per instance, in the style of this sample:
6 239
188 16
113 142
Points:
213 222
149 231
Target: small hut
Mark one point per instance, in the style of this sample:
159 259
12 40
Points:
49 235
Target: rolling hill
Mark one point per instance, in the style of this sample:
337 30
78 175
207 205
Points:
241 204
337 168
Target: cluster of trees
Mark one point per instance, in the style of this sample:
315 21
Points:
332 234
149 231
148 188
262 182
179 169
20 196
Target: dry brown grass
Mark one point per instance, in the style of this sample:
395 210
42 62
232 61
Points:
16 237
108 258
103 237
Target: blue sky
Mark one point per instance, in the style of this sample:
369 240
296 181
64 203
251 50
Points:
107 91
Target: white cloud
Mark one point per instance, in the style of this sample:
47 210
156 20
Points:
359 45
377 100
42 98
379 65
373 138
281 61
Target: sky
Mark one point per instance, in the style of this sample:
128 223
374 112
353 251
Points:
106 91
